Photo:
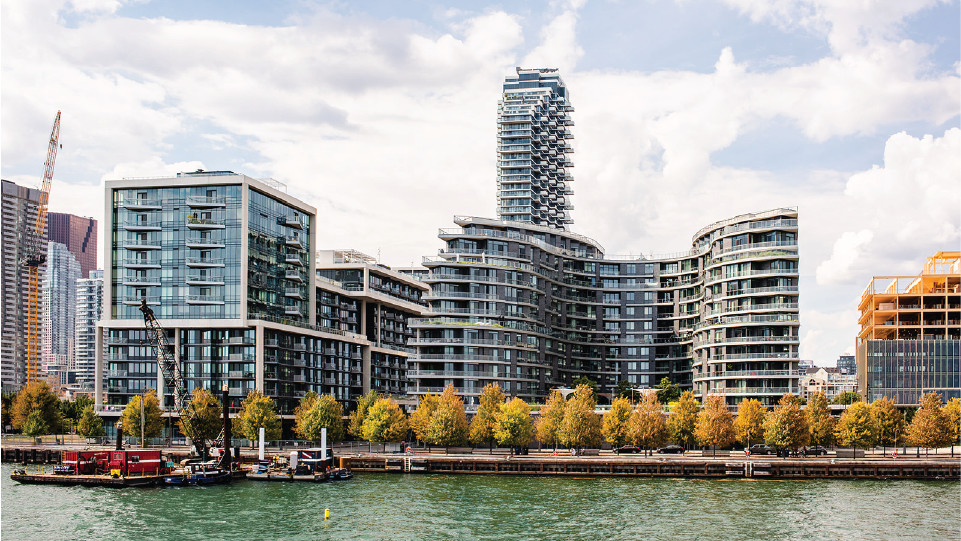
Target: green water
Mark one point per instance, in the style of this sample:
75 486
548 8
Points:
420 506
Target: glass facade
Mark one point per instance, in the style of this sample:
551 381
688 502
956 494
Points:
904 370
278 248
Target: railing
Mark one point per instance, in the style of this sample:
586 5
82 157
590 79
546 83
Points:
755 390
141 280
739 356
204 222
454 357
742 274
748 374
734 320
136 262
212 261
212 299
203 201
754 290
750 308
206 279
755 246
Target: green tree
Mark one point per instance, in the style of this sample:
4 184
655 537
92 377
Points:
626 390
749 425
514 426
420 419
548 425
786 427
682 421
300 413
929 428
32 397
584 380
857 427
35 425
359 415
846 398
6 403
256 411
819 420
448 425
715 423
325 412
385 422
647 427
615 423
890 421
667 392
952 411
90 424
147 406
581 427
483 424
202 420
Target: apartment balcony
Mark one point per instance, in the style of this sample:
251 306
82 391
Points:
142 204
205 223
754 391
295 259
135 300
140 281
745 374
204 243
204 280
205 299
293 242
203 202
141 245
293 293
294 275
271 343
138 263
291 221
205 262
142 225
293 311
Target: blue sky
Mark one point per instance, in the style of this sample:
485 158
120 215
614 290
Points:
687 112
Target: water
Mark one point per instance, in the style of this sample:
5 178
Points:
421 506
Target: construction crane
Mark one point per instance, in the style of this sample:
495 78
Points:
35 256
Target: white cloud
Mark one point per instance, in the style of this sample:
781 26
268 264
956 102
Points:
847 249
825 335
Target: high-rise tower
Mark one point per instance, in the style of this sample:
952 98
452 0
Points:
532 146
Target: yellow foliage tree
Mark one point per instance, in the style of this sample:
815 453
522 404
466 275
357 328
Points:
647 427
819 420
152 422
682 421
749 425
614 425
35 396
448 426
256 411
300 412
325 412
420 419
929 427
385 422
202 420
581 427
715 423
952 410
786 426
890 421
857 427
483 424
359 415
514 426
548 425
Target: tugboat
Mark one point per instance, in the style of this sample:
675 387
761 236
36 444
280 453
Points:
305 465
199 474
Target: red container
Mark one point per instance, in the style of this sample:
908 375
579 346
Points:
85 462
138 462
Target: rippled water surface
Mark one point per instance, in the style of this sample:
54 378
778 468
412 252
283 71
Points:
395 506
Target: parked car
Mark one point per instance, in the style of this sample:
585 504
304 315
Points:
815 450
627 449
760 449
671 449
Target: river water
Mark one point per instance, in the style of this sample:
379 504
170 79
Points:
432 506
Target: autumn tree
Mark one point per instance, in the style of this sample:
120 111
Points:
90 424
359 415
786 426
35 425
35 396
952 411
667 392
420 419
514 426
385 422
715 423
202 420
819 420
682 421
890 421
857 428
448 425
584 380
548 425
147 406
929 428
614 425
300 412
749 425
256 411
581 427
625 390
483 424
846 398
647 427
324 412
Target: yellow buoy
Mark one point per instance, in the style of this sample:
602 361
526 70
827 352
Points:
326 514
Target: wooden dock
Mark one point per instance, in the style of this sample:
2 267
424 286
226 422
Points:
670 467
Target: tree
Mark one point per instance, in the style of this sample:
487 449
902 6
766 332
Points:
647 427
202 420
952 410
147 406
483 424
359 415
786 427
667 392
929 428
420 419
325 412
35 396
749 425
35 425
584 380
581 427
857 427
890 421
300 412
385 422
548 425
682 421
614 424
715 424
256 411
448 425
90 424
514 426
625 390
819 420
846 398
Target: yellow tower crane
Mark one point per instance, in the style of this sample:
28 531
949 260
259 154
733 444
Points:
35 256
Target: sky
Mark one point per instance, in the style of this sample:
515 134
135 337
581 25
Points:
381 114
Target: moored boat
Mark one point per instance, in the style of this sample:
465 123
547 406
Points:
199 474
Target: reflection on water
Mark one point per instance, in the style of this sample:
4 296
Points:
420 506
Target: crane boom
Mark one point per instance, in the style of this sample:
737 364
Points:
35 256
166 361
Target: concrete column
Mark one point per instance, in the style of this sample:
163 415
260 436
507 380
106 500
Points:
98 370
368 373
259 358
